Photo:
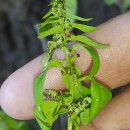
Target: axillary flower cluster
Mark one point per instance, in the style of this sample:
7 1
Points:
80 102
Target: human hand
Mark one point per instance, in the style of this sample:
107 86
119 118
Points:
16 94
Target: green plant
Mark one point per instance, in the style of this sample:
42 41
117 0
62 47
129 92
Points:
80 102
110 2
124 4
7 123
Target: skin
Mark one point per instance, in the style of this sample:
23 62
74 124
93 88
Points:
16 94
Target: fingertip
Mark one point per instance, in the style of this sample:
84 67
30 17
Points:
14 102
16 94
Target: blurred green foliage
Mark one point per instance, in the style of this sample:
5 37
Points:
7 123
110 2
124 4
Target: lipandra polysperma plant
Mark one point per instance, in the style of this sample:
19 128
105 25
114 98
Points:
80 102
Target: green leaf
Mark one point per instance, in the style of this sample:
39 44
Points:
41 122
73 9
45 60
54 63
78 18
63 111
95 59
84 28
75 124
41 119
68 81
100 97
38 113
85 91
84 117
43 29
38 87
48 22
67 97
51 18
79 91
78 71
54 30
43 125
47 15
75 120
87 41
74 88
51 113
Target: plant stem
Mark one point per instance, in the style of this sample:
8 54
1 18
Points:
70 124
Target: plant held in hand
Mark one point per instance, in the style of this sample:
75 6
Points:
80 102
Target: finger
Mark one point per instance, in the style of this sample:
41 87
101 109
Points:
16 95
115 60
115 116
